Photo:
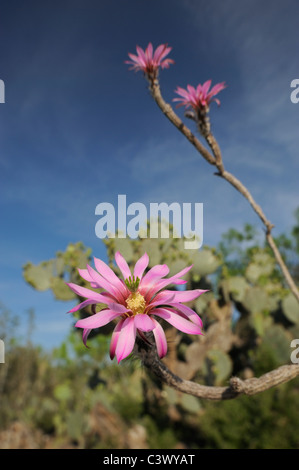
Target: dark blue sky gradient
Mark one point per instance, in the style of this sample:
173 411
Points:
78 128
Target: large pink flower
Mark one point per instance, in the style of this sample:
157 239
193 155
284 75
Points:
200 97
149 61
136 300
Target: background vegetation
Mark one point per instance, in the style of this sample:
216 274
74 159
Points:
75 397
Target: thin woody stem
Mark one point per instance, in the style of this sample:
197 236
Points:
176 121
282 265
215 158
244 191
148 355
216 151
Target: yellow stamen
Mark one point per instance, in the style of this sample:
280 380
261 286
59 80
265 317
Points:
136 303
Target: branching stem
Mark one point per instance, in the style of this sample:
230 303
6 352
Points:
214 157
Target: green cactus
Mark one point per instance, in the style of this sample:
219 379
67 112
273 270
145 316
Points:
205 262
278 339
190 404
53 273
260 322
60 290
220 365
125 247
237 287
262 265
39 276
256 300
290 308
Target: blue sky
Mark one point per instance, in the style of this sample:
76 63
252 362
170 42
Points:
78 128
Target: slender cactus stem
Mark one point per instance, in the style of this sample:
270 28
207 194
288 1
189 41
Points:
215 158
148 355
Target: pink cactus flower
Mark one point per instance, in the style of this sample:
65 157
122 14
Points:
149 61
137 300
199 98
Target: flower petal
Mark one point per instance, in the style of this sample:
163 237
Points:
165 63
205 88
144 322
216 89
171 280
86 332
185 295
123 265
158 53
110 275
160 339
182 92
89 294
81 305
126 339
144 338
141 265
114 337
189 313
133 57
118 308
108 297
164 54
85 275
165 297
158 271
141 56
200 97
177 321
96 321
149 53
148 60
104 284
152 276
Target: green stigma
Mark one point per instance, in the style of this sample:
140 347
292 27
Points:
132 283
